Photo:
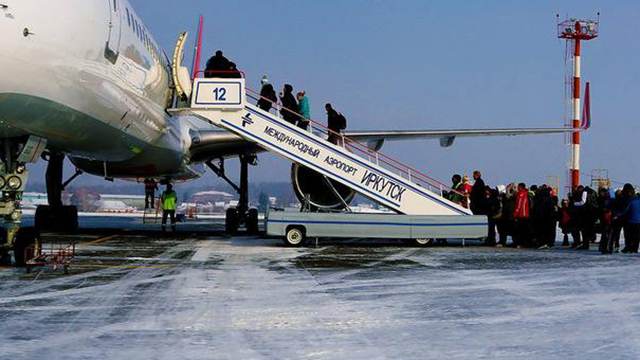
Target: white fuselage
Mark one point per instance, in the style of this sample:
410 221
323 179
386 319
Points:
87 76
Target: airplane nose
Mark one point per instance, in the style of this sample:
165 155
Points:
19 46
47 44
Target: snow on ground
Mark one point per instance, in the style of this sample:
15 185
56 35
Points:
216 298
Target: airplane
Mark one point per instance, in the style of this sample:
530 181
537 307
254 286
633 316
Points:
85 80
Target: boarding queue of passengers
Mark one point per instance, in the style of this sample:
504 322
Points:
531 216
293 109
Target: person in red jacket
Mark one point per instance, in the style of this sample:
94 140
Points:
521 213
565 222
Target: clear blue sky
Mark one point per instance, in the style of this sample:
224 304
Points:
435 64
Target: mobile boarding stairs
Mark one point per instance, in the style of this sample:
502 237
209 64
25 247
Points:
224 103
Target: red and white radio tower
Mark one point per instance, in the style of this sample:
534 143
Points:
576 31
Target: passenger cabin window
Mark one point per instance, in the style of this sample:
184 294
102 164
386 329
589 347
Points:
128 17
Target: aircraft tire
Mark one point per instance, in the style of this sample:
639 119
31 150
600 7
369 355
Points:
252 222
70 218
231 221
64 219
5 258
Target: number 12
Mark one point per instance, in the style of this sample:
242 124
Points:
220 94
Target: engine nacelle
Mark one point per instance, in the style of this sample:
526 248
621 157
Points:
307 182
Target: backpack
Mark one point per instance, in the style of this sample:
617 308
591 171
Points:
341 122
592 202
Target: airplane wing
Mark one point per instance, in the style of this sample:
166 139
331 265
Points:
375 139
206 144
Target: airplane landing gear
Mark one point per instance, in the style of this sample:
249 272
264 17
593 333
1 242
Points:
13 178
242 214
56 216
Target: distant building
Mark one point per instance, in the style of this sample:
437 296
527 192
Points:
114 206
135 201
31 200
210 202
204 197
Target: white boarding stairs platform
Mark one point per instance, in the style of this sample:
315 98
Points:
223 102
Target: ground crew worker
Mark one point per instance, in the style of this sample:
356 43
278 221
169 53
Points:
169 200
150 187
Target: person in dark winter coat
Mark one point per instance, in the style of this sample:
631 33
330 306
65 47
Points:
334 123
580 218
218 66
631 220
605 217
544 217
268 97
618 205
233 72
289 109
591 215
494 213
477 197
506 223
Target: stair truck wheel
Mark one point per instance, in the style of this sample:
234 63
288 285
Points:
422 242
295 236
23 248
231 221
252 222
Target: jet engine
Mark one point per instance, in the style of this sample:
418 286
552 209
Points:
319 189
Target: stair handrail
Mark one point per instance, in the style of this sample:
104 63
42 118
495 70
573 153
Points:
224 72
411 172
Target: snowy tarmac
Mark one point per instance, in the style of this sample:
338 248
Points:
204 296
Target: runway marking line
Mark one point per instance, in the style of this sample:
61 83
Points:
124 266
102 239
